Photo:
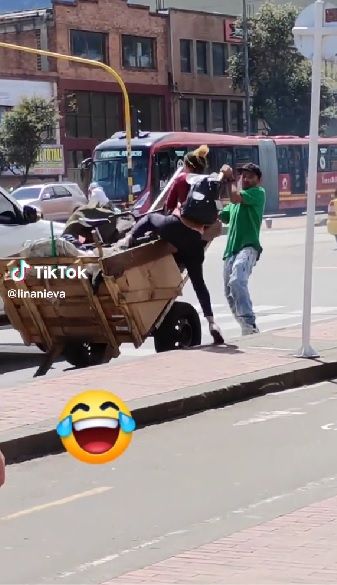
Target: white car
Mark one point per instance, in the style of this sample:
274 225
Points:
16 230
55 201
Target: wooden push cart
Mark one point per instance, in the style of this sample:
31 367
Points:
132 298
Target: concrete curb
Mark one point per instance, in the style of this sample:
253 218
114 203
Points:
41 440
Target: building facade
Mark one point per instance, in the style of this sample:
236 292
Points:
174 64
203 99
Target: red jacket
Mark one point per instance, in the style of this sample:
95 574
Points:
178 192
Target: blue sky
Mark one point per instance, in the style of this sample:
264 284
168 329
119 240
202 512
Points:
18 5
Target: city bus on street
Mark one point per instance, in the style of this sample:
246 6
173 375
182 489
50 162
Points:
157 155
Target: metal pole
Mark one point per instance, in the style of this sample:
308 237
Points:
306 350
109 70
246 62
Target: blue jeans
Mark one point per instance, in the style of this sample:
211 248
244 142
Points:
237 270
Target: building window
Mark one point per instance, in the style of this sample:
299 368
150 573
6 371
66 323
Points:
185 114
202 115
220 57
219 116
89 45
236 109
185 56
202 57
92 115
151 108
138 52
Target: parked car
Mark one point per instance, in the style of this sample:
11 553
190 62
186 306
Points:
55 201
19 224
332 217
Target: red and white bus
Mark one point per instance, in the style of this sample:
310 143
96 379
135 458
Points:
283 161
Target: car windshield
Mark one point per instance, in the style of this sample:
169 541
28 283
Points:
26 193
110 171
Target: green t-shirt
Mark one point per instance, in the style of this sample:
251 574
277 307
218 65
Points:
244 221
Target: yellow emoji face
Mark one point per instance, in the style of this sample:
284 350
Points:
96 426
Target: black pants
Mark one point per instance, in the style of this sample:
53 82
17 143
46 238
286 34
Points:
190 249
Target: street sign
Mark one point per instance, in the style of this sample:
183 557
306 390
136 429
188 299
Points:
50 161
304 41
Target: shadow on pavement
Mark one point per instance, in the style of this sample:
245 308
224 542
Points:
12 362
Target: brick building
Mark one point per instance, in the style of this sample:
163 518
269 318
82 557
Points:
203 96
173 62
130 39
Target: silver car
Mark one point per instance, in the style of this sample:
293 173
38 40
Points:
55 201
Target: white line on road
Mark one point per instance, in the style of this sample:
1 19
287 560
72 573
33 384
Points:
305 488
325 481
266 416
67 500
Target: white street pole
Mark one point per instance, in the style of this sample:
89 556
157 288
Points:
306 350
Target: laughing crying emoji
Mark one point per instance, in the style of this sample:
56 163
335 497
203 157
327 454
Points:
96 427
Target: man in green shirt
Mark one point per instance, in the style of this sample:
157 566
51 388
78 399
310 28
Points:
244 215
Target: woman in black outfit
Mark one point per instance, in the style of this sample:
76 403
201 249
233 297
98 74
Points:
186 237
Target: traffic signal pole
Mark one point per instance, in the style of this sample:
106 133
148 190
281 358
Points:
109 70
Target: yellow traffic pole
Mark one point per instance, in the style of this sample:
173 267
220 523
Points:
106 68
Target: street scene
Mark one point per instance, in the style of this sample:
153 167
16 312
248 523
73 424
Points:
168 308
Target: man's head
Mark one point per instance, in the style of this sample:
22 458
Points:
251 175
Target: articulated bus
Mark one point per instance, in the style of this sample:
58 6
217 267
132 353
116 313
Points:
156 156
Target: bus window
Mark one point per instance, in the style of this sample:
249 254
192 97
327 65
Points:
223 155
166 163
332 158
246 154
282 160
296 169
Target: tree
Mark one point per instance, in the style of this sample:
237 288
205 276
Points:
280 76
23 131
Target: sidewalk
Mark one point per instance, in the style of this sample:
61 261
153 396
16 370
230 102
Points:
299 547
167 386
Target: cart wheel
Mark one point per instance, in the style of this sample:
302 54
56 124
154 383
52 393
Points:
180 329
84 354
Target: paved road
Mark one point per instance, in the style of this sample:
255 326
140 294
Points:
276 290
181 484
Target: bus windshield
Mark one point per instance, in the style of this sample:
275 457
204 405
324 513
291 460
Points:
110 170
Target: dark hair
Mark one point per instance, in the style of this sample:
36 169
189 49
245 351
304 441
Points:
251 168
197 159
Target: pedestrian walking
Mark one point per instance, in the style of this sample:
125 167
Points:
2 469
244 215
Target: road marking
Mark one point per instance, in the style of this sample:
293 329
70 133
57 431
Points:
67 500
329 427
258 347
266 416
325 481
305 488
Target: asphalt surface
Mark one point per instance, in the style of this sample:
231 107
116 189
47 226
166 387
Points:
276 287
179 485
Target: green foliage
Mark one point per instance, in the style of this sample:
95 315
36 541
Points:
280 77
23 131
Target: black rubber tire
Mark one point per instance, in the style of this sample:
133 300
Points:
84 354
180 329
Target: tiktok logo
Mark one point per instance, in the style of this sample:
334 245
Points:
18 273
